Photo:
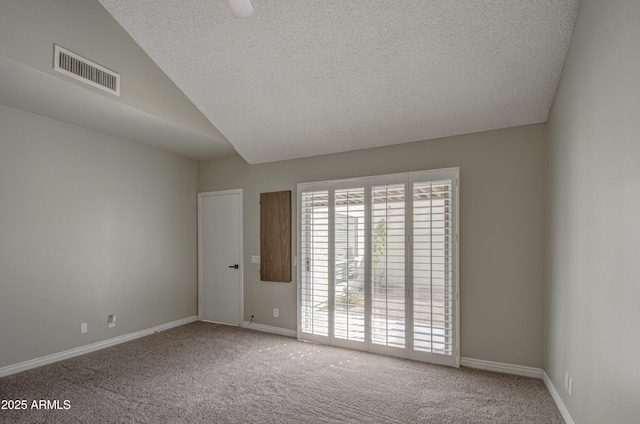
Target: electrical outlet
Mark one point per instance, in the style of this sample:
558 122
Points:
568 383
111 320
83 328
276 312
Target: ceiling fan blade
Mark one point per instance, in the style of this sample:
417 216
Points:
240 8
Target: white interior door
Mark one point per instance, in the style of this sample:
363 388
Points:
220 256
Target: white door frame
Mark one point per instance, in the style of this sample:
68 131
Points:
240 259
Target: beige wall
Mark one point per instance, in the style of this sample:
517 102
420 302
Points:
593 249
501 230
90 225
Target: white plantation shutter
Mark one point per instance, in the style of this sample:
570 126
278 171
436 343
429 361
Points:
433 267
314 219
349 249
388 265
379 264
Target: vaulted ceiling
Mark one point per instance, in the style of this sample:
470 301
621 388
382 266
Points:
307 77
297 78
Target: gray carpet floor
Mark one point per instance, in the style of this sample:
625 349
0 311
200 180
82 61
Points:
209 373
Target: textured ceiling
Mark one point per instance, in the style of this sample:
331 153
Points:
307 77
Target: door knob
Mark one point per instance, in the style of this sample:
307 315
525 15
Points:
234 266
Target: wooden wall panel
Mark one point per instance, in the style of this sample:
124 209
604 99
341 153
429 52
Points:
275 236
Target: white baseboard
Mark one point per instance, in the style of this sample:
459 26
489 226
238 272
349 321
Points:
502 367
49 359
270 329
557 399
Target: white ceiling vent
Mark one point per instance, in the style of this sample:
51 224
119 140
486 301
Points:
85 70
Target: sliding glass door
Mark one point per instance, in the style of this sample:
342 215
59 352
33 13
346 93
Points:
378 264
